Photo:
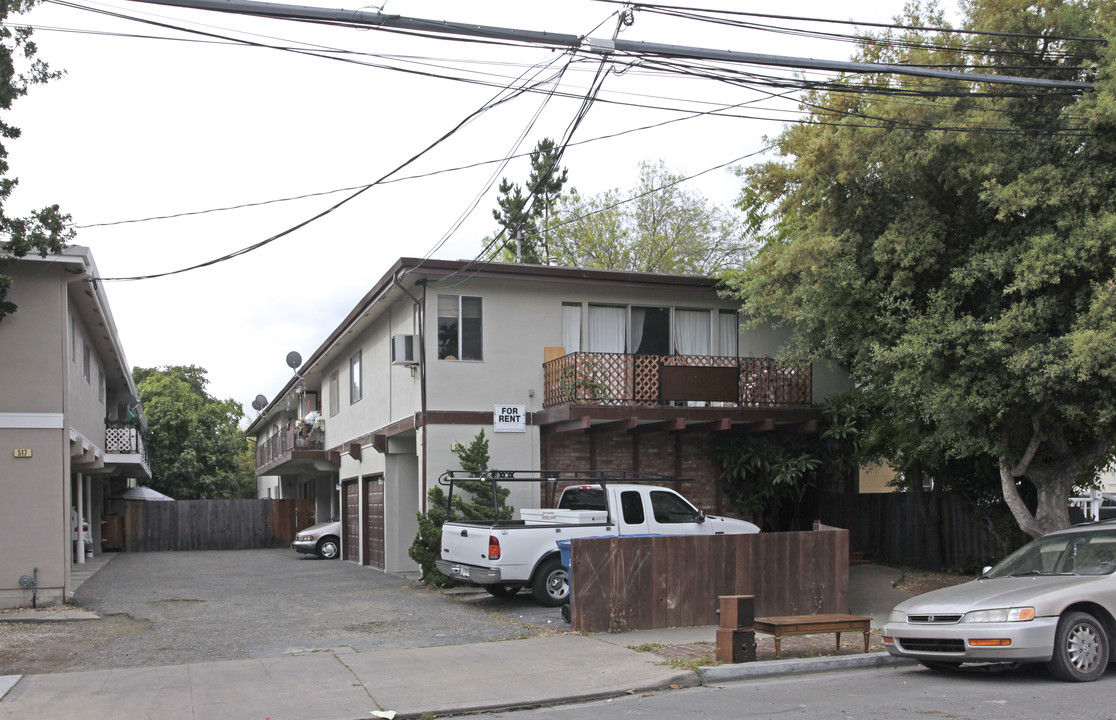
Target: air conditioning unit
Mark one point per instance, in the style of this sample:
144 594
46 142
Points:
404 350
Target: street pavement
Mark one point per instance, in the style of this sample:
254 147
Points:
341 684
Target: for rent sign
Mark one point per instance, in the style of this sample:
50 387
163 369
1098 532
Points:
509 418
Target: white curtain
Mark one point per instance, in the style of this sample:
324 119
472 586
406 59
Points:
728 332
639 315
691 332
571 328
606 329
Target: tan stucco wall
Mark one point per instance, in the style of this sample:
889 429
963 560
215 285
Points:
33 516
875 478
31 343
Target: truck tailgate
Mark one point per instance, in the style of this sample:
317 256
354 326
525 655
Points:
463 543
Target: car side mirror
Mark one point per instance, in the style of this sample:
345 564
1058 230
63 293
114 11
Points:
701 516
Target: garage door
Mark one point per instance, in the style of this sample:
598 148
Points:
374 522
350 520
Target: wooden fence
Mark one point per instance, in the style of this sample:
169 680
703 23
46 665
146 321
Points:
924 530
214 524
643 583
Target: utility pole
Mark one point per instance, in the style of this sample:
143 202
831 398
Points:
600 46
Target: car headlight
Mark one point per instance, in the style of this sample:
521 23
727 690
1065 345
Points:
304 537
1018 614
897 616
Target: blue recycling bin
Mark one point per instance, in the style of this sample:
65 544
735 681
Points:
564 550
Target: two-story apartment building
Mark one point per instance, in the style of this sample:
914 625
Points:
563 368
71 426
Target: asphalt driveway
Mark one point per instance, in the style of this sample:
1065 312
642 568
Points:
186 607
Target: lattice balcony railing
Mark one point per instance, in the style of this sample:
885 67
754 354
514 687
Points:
589 378
125 438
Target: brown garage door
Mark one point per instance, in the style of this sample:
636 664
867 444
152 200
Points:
350 520
374 521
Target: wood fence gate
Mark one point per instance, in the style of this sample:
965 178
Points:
214 524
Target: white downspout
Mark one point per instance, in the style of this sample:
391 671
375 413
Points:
79 544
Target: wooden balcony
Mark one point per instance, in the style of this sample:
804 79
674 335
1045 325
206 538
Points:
295 449
618 379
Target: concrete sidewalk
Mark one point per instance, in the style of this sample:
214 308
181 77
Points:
326 686
449 679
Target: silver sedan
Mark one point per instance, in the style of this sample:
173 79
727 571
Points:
1052 601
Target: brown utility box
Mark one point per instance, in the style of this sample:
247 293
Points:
736 646
738 612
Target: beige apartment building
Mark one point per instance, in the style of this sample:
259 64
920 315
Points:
71 426
563 368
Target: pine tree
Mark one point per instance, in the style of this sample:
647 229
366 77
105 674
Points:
427 546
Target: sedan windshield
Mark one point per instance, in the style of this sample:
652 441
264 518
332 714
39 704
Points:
1084 553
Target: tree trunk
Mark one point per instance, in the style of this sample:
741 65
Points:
1023 516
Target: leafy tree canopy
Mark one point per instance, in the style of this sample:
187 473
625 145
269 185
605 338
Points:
953 244
658 226
197 447
43 231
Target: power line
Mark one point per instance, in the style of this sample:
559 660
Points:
658 7
255 246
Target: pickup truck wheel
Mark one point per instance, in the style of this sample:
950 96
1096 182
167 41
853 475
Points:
551 584
502 591
329 548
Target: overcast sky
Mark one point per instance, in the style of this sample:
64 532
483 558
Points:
150 121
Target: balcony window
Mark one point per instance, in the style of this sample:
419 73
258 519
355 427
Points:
608 329
571 327
334 394
691 332
460 328
650 330
728 331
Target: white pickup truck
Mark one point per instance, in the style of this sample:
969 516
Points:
504 556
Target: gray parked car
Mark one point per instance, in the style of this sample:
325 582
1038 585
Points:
1052 601
323 540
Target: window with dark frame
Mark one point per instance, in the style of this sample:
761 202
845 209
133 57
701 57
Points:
460 328
356 384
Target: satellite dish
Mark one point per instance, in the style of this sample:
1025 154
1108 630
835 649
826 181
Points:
259 403
293 359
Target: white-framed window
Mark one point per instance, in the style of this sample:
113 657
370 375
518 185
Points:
334 393
356 381
608 329
460 328
650 330
101 385
692 331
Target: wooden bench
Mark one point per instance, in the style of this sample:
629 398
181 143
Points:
786 625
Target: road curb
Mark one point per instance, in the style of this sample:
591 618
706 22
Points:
746 671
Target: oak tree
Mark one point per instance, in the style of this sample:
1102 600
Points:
952 243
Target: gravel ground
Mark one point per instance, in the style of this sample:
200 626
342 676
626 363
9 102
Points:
187 607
